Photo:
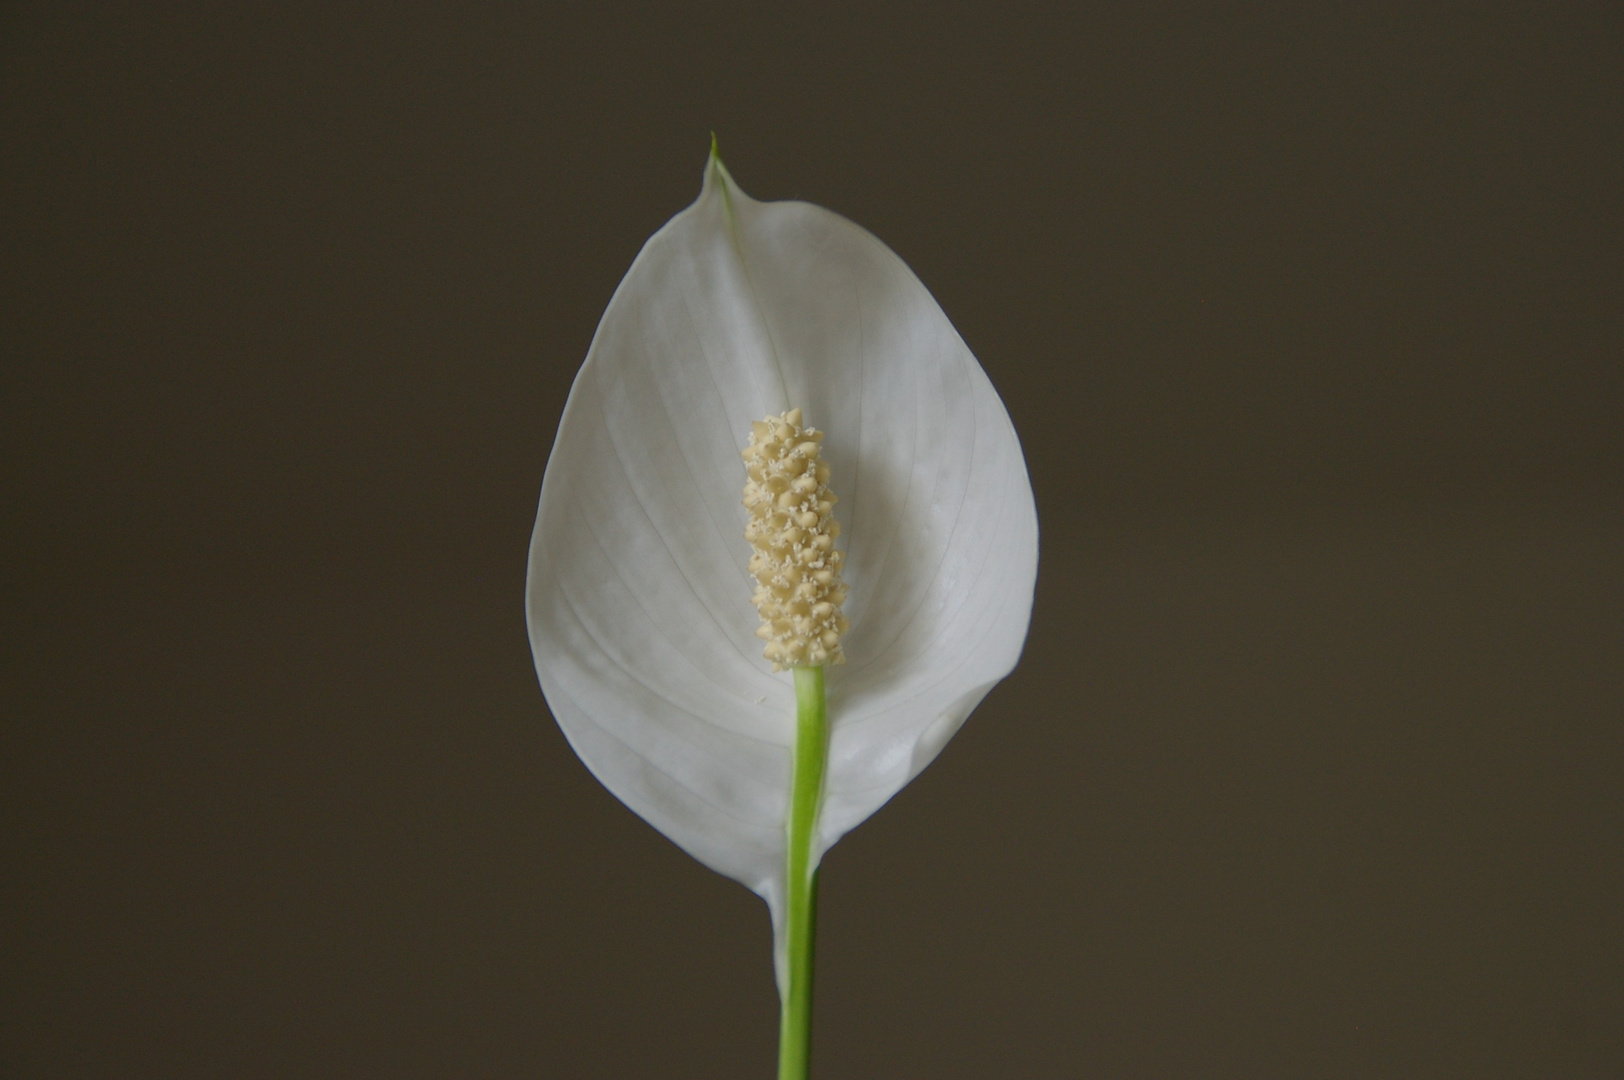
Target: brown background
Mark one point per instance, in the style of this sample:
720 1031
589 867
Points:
1313 329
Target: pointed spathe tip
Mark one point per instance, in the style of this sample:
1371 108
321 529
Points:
715 172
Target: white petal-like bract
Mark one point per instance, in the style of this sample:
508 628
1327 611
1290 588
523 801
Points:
638 597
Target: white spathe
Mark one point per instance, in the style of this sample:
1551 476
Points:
638 597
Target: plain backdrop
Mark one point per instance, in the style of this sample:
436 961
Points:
1311 320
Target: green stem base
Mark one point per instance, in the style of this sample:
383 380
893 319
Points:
801 881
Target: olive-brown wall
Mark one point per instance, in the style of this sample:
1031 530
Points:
1312 325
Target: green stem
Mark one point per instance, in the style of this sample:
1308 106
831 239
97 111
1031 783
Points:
806 792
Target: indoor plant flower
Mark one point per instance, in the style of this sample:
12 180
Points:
639 598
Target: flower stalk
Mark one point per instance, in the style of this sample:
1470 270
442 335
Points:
806 792
798 596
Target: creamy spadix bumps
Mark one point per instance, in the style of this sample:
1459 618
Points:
793 530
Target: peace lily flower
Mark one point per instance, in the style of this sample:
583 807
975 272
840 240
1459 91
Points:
738 323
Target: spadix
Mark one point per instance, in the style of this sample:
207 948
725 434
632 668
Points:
792 529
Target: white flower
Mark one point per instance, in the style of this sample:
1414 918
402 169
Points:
639 595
